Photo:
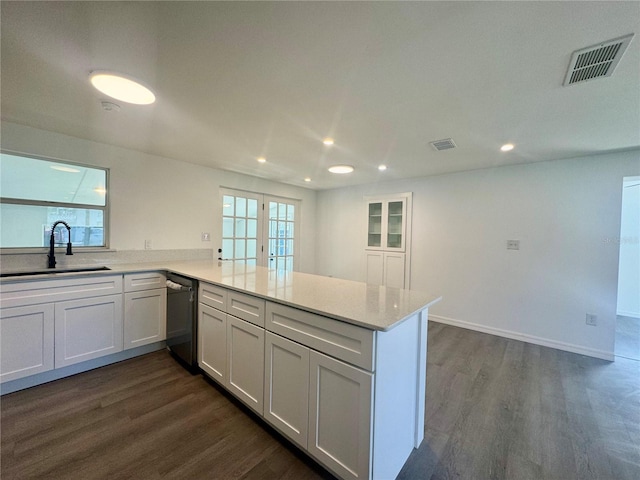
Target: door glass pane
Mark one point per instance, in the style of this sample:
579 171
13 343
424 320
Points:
227 248
239 252
241 227
252 248
227 205
227 227
252 208
252 228
282 211
241 207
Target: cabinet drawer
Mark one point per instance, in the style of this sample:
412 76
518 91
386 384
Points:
213 296
44 291
135 282
246 307
341 340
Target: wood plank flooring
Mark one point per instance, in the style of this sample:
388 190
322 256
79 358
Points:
496 409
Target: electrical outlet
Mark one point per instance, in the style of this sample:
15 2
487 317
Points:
147 245
206 237
513 244
592 319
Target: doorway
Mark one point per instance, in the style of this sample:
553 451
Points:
627 342
260 229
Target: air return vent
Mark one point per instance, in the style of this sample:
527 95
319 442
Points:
444 144
596 61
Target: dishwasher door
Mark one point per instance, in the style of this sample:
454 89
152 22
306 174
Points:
182 320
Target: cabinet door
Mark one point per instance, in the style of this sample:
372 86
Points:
375 267
212 342
145 317
340 406
26 341
245 362
395 219
286 387
375 224
394 269
87 328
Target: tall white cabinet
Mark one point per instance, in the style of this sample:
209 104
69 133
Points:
388 240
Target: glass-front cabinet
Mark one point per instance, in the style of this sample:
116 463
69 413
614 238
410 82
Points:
386 224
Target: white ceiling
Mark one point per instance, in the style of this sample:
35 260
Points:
239 80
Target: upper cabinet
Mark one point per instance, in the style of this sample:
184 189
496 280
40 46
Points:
386 224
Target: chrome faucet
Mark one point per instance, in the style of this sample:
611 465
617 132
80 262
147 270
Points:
51 256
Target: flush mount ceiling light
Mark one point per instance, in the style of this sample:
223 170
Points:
121 88
382 168
307 179
507 147
328 141
262 160
341 169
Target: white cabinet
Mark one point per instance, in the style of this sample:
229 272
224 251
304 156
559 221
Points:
230 349
350 397
26 341
87 328
340 420
386 222
212 342
245 362
388 247
145 309
386 268
286 387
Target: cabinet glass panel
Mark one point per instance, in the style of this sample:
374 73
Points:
394 225
375 225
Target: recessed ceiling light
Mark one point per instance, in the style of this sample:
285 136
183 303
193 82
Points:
307 179
382 168
507 147
341 169
60 168
328 141
262 159
122 88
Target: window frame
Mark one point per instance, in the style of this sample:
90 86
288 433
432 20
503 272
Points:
106 211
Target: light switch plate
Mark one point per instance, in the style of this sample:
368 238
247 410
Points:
206 237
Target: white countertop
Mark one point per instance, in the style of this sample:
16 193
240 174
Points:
373 307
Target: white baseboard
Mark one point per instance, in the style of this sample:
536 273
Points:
545 342
628 313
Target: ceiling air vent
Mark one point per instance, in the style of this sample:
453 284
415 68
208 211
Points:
596 61
444 144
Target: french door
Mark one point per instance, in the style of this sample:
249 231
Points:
260 229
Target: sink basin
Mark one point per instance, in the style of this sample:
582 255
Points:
54 271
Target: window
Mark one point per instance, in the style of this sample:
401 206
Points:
260 229
35 193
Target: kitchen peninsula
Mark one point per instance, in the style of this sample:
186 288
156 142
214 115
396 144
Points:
338 367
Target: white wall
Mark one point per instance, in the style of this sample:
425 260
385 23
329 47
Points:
566 215
629 271
166 201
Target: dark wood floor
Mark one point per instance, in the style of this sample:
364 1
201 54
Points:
496 408
628 337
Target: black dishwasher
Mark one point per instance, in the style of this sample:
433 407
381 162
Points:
182 319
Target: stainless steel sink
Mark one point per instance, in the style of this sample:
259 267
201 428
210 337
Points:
54 271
